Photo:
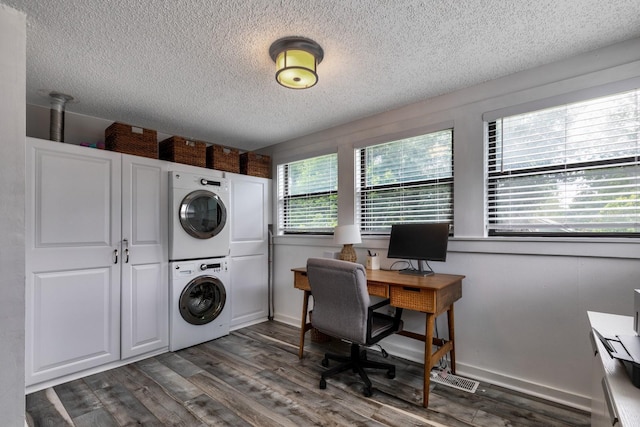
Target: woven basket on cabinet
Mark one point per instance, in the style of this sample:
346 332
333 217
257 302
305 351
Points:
182 150
255 164
128 139
223 158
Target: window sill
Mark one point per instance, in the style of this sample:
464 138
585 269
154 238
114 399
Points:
579 247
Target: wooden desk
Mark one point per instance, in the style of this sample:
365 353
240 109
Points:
432 295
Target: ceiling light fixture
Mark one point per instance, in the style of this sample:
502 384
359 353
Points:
296 60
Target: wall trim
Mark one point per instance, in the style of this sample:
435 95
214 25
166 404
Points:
523 386
517 384
625 248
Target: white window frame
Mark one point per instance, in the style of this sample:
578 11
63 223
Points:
444 211
285 198
557 225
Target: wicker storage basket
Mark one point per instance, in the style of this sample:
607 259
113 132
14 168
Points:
223 158
255 165
182 150
128 139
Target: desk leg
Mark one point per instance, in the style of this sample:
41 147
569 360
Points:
428 360
303 324
452 338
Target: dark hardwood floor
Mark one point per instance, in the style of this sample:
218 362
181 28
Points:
253 377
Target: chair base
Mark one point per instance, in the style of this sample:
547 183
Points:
356 362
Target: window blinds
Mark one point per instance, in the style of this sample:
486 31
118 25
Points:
572 169
308 195
409 180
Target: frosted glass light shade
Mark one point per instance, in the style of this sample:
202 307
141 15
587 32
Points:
296 61
296 69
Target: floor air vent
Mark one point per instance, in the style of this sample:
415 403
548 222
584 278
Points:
455 381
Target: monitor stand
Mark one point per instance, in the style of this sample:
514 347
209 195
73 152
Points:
419 272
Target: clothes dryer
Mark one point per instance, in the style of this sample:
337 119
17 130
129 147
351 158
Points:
200 308
199 217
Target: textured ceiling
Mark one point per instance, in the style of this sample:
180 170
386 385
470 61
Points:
201 69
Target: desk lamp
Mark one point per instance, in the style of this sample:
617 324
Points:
347 235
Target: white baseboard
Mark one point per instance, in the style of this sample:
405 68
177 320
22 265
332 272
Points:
563 397
393 345
288 320
517 384
246 323
77 375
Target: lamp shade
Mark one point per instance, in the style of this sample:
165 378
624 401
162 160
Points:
346 234
296 61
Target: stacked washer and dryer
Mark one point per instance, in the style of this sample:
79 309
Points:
200 308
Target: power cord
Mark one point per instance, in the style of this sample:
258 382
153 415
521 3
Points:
382 351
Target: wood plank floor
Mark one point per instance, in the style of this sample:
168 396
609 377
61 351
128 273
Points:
253 377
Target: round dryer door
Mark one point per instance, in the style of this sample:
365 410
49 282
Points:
202 214
202 300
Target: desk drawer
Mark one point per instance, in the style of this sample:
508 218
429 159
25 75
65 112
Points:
413 298
301 281
378 290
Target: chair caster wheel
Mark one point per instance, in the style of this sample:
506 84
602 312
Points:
325 362
323 384
367 392
391 373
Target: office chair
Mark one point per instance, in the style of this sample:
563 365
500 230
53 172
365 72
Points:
342 309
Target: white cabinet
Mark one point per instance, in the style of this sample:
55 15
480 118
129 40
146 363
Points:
250 209
96 269
145 286
72 243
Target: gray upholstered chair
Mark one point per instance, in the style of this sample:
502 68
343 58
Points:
342 309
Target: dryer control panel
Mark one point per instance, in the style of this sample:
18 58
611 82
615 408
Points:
216 267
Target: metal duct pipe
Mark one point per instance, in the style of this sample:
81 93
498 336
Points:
56 121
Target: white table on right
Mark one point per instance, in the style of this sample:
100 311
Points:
615 400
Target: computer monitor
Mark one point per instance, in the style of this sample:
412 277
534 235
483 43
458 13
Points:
420 242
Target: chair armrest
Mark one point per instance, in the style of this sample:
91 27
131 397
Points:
398 311
397 318
379 305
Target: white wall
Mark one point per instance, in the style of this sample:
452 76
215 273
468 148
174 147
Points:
12 249
522 319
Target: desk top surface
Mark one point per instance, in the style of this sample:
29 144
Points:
393 277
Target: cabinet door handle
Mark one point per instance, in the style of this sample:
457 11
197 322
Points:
115 256
126 250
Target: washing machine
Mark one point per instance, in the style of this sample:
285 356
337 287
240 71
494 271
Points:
200 301
199 218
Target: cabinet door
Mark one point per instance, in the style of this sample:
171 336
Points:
249 290
250 207
145 282
72 259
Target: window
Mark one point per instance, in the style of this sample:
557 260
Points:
567 170
404 181
308 195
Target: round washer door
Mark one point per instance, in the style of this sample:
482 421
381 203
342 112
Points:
202 300
202 214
